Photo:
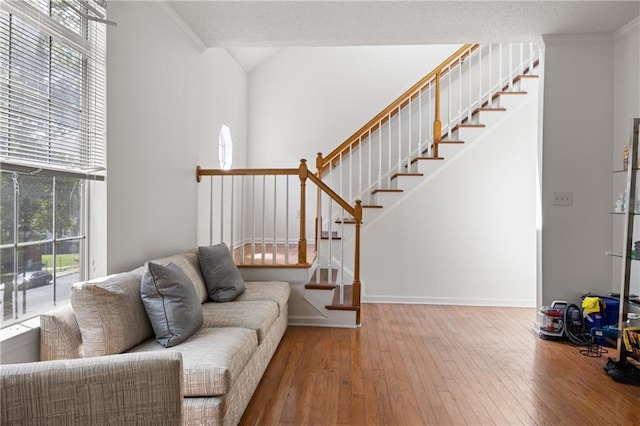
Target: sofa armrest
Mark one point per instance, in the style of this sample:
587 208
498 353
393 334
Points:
115 389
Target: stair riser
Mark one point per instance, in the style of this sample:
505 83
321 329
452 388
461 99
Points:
509 102
490 118
448 150
406 183
427 167
386 198
469 134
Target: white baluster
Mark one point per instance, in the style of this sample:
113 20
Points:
253 220
419 124
370 145
449 121
221 208
510 66
500 68
389 169
379 153
470 103
275 215
242 197
286 227
399 139
480 76
211 212
264 216
231 245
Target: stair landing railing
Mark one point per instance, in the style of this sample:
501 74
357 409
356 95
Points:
421 118
261 214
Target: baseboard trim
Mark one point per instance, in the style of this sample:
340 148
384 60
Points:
418 300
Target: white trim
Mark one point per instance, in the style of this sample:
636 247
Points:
627 29
191 36
563 39
457 301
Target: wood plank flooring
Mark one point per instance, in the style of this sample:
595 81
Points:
437 365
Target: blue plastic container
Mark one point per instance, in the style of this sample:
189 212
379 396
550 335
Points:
599 324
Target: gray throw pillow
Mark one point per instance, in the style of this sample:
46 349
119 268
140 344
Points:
171 302
221 275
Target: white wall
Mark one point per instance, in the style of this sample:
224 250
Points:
577 144
166 103
309 100
225 92
626 92
467 235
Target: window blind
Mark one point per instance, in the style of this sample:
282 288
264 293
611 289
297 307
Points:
52 85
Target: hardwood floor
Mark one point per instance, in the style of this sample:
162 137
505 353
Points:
437 365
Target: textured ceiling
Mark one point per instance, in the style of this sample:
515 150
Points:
359 22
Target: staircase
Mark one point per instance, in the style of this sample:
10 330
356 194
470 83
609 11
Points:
398 151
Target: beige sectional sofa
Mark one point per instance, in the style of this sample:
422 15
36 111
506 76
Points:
222 363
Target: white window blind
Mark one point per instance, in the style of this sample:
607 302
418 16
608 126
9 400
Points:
52 84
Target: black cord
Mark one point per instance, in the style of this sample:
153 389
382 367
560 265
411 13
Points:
574 328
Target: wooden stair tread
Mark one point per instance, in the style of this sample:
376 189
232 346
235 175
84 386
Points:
375 191
347 221
426 158
491 109
314 286
511 93
370 206
406 174
478 126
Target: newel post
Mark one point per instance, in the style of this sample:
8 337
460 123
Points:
356 260
437 124
302 242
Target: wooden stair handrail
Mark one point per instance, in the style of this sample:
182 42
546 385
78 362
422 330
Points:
242 172
392 109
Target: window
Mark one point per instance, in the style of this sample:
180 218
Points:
52 130
225 148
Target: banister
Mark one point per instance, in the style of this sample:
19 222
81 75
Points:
392 109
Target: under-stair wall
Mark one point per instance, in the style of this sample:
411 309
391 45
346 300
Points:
466 235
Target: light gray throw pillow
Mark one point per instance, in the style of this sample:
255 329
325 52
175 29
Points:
171 302
221 275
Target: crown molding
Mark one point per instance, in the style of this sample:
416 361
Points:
627 29
191 36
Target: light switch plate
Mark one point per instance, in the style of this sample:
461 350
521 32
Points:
562 199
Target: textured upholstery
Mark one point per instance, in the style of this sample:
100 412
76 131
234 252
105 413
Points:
275 291
255 315
212 358
117 389
59 335
189 264
110 314
228 409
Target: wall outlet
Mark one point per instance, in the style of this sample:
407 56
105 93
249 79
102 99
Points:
562 199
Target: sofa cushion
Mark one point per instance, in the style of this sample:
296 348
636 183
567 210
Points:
110 314
189 264
60 336
171 302
221 275
212 358
275 291
254 315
